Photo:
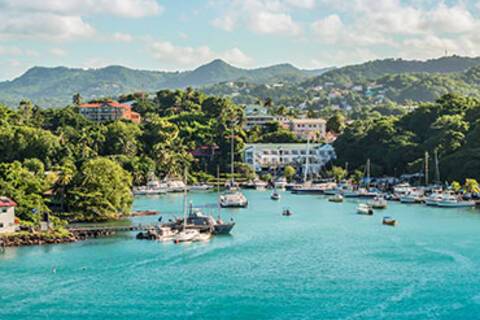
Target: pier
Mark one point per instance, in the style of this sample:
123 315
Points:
95 231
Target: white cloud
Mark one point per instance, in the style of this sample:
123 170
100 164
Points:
124 8
122 37
273 23
44 25
306 4
226 23
187 57
10 51
59 52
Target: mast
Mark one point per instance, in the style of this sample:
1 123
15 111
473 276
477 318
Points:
219 207
232 156
185 199
426 168
305 174
437 169
368 172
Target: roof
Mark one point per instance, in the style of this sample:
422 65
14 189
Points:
113 104
307 121
284 146
6 202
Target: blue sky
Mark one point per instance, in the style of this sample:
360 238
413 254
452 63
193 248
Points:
182 34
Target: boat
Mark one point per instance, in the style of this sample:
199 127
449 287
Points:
176 186
378 203
200 187
365 209
205 236
313 188
452 201
153 187
287 212
401 189
433 199
275 195
186 235
345 189
412 196
336 198
389 221
260 185
233 197
166 233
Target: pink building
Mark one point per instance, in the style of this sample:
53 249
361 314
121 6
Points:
7 215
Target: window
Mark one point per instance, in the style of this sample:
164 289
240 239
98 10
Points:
1 225
3 210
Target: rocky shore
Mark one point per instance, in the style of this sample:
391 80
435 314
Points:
39 238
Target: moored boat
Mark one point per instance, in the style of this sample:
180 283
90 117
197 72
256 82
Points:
364 209
379 203
186 235
336 198
281 183
389 221
233 198
451 201
275 195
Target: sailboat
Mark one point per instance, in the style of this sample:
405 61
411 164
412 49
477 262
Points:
233 198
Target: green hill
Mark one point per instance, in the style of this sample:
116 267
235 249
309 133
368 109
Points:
55 86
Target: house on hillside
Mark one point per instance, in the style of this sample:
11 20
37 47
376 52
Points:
108 111
7 215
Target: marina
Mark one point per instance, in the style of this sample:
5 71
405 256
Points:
354 266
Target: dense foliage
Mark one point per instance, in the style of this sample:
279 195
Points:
397 144
55 160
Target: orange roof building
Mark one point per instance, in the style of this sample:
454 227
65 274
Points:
108 111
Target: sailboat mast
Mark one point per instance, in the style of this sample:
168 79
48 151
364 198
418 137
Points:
232 156
368 172
185 199
426 168
437 169
219 208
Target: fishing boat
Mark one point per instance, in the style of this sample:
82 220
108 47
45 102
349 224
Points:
365 209
389 221
379 203
336 198
287 212
275 195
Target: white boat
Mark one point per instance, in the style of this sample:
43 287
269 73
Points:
344 189
202 236
176 186
166 234
260 185
186 235
336 198
275 195
401 189
434 198
153 187
451 201
378 203
412 196
364 209
233 199
200 187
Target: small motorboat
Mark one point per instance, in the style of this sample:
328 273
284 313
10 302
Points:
379 203
287 212
186 235
389 221
336 198
275 195
365 209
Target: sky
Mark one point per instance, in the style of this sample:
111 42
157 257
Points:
183 34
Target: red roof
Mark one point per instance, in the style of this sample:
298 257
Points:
6 202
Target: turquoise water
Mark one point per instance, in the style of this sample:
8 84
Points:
325 262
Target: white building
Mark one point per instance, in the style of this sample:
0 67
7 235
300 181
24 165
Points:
307 128
7 215
271 155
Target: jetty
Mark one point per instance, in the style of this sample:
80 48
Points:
95 231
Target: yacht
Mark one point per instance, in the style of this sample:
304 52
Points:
452 201
166 233
176 186
378 203
153 187
434 198
336 198
233 198
412 196
364 209
401 189
186 235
